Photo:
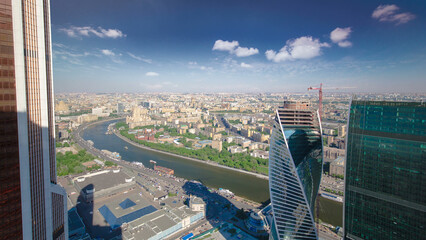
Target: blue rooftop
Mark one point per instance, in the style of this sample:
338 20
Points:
127 203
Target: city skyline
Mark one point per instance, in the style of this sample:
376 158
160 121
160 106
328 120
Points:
154 46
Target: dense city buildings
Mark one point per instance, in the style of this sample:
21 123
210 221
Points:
385 194
295 167
234 130
32 205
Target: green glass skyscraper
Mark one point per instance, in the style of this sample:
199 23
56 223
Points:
385 189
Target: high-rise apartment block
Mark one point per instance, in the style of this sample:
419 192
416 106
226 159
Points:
385 190
295 166
32 205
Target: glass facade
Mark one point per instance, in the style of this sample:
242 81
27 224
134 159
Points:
295 166
385 194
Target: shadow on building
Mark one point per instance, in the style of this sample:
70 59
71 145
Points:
86 209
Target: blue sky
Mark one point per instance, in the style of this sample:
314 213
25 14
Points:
238 46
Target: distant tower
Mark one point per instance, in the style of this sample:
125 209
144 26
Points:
385 190
32 205
295 166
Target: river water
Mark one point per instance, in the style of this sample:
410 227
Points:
244 185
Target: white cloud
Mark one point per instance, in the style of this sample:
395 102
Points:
299 48
79 32
234 48
107 52
281 56
388 13
221 45
245 65
139 58
111 33
195 65
344 44
339 36
152 74
245 52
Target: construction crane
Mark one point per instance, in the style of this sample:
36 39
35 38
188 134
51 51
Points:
320 98
320 88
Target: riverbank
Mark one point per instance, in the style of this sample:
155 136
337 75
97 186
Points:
258 175
244 185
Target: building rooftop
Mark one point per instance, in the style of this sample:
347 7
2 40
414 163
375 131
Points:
339 161
197 200
126 209
101 180
173 212
75 224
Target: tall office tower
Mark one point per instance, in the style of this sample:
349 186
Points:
32 205
295 166
385 190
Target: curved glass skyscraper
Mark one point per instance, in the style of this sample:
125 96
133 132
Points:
295 166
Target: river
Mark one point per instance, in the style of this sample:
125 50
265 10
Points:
244 185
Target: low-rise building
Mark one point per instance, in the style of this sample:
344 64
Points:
337 167
260 137
217 144
216 136
236 149
246 132
260 154
86 118
205 143
333 153
197 204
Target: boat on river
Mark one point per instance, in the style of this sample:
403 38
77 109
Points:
125 147
331 197
152 161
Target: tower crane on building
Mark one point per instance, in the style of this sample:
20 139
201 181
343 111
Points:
320 88
320 98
